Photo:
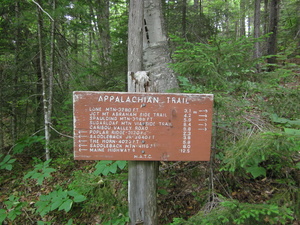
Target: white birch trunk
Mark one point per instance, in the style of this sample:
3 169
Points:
156 52
47 81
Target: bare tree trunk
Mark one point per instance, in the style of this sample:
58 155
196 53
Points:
147 50
257 50
15 76
102 10
141 194
91 41
227 24
39 97
183 20
1 114
47 119
156 50
50 78
266 16
265 25
135 36
242 18
273 28
249 26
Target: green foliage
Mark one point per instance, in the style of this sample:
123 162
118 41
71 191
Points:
178 221
44 223
283 122
283 102
262 152
234 212
13 208
84 183
7 162
40 172
27 142
107 195
105 167
120 220
187 87
59 199
289 26
217 63
64 163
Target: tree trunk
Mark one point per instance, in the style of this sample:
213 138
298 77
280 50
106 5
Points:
147 43
102 10
242 18
1 114
135 36
156 50
15 75
45 84
227 24
141 175
257 50
272 40
265 25
266 16
249 26
52 66
39 97
183 20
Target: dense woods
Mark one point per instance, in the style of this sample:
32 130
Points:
246 53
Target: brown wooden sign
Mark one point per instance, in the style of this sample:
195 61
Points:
142 126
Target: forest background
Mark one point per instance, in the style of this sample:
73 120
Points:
244 52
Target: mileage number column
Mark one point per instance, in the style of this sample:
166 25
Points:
186 131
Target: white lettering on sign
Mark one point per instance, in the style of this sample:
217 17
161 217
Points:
176 100
128 99
160 114
186 132
95 109
140 99
123 129
142 125
124 114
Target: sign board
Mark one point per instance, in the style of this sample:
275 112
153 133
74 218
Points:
142 126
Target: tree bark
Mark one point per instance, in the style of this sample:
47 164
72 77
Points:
102 10
38 122
45 84
52 65
183 20
147 50
249 26
242 18
1 114
141 175
257 50
14 118
272 40
156 50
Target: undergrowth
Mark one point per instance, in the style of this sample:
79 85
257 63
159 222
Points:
253 177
